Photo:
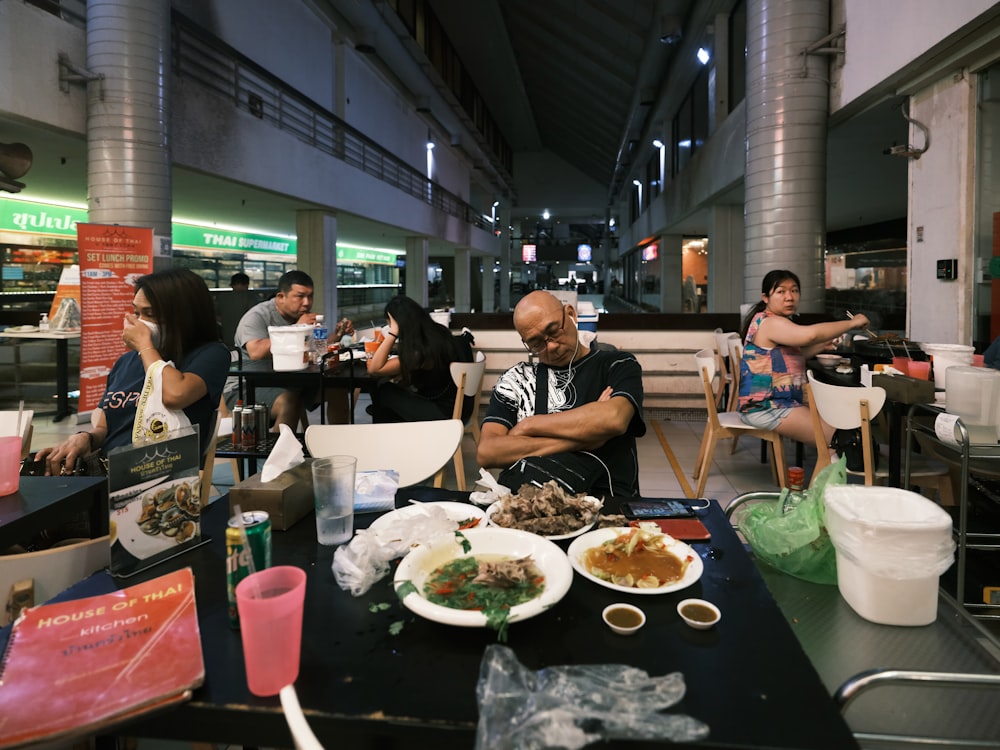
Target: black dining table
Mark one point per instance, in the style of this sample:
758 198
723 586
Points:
362 686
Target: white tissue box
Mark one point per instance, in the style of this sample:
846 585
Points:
286 498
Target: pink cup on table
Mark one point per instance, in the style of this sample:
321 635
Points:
270 603
902 364
978 360
10 465
920 370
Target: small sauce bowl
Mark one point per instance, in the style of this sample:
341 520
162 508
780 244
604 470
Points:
698 613
624 619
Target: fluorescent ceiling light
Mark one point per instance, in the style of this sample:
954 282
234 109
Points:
657 143
702 55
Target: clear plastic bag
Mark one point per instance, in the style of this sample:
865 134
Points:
572 706
795 541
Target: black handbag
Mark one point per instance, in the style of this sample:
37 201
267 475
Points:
848 443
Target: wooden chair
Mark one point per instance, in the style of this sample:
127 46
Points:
8 427
468 377
722 339
848 408
417 450
727 426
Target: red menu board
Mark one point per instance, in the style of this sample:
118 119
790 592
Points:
111 259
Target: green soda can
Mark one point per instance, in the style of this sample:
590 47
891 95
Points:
258 528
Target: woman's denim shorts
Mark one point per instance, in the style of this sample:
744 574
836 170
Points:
765 419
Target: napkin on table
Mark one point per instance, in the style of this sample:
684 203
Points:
286 454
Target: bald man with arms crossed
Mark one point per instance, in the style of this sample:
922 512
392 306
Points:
592 408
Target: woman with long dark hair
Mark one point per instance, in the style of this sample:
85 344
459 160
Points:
421 387
775 350
173 319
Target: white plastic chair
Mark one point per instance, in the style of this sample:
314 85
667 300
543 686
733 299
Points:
468 377
725 366
847 408
727 426
417 450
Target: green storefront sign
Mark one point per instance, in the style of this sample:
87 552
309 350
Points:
41 218
349 254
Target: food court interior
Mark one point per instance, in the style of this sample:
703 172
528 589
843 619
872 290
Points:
653 158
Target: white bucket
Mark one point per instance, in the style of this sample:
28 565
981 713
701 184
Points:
892 546
441 316
945 356
289 346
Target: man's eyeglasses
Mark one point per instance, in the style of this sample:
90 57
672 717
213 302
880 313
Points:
537 346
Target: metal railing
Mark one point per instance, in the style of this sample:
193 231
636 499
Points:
210 62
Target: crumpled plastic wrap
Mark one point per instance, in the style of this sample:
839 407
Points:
357 566
572 706
491 490
375 491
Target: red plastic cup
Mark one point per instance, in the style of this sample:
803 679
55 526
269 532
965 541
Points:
902 364
10 465
920 370
270 604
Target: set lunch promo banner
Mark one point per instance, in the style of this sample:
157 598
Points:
111 259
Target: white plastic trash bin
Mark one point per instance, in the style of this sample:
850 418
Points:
289 345
892 547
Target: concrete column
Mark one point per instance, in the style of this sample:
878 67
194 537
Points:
463 279
726 234
417 258
489 297
671 256
505 260
787 111
317 256
128 118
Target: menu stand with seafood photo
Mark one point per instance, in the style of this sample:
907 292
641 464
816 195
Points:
155 501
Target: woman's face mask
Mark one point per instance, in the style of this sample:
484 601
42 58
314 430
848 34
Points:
154 330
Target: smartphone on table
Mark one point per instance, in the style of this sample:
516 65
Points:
649 510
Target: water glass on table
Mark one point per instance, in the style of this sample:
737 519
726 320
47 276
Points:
270 603
333 492
10 465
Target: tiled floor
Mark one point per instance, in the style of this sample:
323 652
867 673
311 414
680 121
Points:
732 474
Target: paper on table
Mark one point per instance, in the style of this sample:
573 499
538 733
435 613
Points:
944 428
286 454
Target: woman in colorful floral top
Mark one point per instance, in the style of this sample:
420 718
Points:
775 350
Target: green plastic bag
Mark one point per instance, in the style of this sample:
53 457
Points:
795 542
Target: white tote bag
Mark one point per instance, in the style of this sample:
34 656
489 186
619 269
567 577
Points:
154 421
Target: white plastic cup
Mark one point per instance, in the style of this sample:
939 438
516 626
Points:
333 492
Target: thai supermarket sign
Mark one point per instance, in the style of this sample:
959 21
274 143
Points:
46 219
210 238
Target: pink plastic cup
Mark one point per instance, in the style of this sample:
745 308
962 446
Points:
978 360
10 465
920 370
902 364
270 604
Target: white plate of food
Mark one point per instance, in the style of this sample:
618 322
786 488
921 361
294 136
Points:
159 519
603 557
464 515
22 329
533 574
546 511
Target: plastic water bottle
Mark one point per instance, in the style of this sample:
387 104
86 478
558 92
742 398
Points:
320 332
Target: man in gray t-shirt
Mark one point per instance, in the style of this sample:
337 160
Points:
290 306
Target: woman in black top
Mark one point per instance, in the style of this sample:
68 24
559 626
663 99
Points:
421 386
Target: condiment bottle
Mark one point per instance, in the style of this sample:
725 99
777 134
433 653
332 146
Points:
796 488
43 324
